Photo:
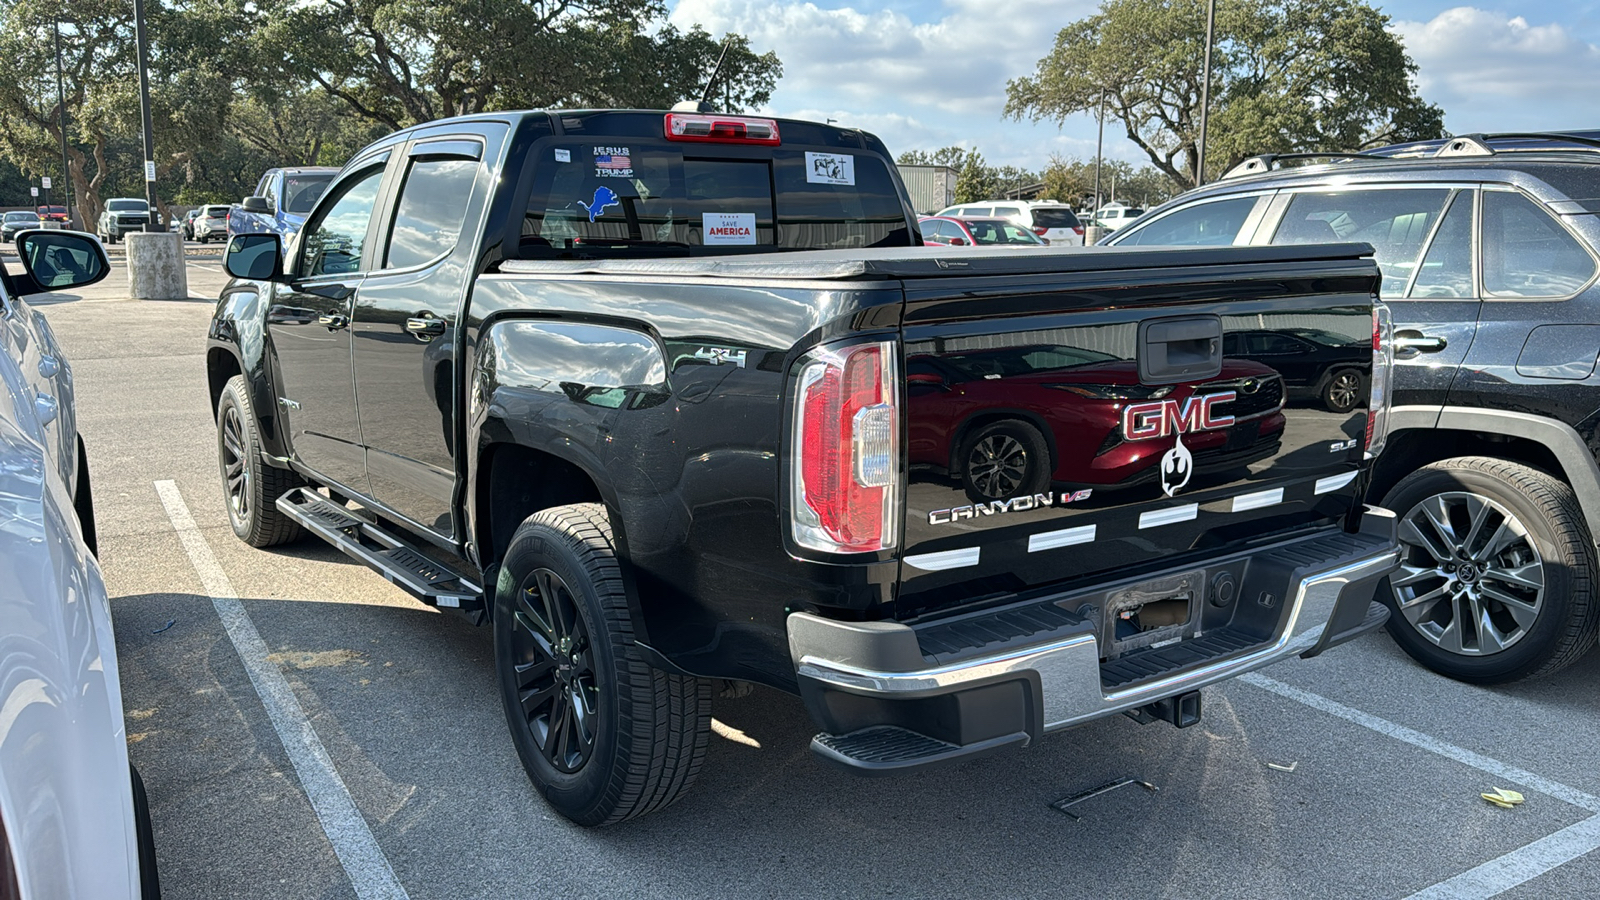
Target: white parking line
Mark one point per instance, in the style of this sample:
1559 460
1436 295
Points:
363 860
1503 872
1522 864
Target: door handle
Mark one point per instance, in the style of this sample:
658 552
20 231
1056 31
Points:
333 321
425 326
1408 344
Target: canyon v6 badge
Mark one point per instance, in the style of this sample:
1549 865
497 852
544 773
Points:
1169 418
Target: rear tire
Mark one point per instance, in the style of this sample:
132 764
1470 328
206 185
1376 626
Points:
602 734
250 485
1503 588
1004 459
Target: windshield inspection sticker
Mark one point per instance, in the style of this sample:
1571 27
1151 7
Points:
830 168
613 162
563 155
603 197
728 228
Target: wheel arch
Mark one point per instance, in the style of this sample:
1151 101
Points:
984 417
1422 435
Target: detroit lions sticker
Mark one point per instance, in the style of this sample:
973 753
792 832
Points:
613 162
830 168
728 228
603 197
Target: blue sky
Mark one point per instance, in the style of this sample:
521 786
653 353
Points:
924 75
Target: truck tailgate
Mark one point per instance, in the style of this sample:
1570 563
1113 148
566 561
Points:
1105 422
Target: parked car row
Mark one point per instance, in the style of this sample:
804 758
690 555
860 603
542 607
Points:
1490 255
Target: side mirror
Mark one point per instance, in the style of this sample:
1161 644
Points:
255 257
958 242
256 205
56 260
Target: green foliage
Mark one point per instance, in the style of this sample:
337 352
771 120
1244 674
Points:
1287 75
976 181
954 157
238 86
1072 181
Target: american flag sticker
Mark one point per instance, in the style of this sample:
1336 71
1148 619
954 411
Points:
613 162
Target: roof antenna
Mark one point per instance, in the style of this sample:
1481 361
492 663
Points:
703 105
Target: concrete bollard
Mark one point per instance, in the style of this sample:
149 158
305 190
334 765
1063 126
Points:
1093 233
156 268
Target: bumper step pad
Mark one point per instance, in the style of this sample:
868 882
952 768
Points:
884 749
404 564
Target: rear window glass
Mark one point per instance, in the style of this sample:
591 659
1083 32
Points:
301 192
616 199
1054 218
216 211
126 206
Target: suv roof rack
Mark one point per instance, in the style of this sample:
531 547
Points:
1481 144
1266 162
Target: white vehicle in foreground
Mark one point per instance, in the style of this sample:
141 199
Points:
73 822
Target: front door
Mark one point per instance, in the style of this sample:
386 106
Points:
309 325
405 336
1422 240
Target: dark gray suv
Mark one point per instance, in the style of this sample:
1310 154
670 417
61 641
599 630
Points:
1490 248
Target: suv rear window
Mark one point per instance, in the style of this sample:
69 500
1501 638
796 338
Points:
1055 218
1526 252
634 196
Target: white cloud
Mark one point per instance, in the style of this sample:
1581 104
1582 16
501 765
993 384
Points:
1495 72
916 84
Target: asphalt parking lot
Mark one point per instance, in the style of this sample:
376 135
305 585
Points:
1385 761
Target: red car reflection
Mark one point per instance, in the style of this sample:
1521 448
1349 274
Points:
1013 421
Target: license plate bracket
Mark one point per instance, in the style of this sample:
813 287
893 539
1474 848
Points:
1152 613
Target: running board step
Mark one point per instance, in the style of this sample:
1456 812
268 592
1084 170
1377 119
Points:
889 749
401 563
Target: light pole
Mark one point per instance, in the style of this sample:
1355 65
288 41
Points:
61 106
1099 147
1205 93
144 114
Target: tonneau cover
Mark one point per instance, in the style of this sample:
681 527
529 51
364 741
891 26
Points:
925 262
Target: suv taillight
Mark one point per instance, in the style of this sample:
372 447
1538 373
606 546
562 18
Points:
845 472
1040 230
1382 379
721 129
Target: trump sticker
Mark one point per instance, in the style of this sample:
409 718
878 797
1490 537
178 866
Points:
728 228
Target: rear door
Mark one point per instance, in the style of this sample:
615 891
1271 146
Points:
405 318
1422 237
1047 441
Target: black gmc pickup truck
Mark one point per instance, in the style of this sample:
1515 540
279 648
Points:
677 400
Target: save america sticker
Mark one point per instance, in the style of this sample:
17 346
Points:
728 228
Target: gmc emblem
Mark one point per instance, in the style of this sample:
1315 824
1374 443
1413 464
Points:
1164 418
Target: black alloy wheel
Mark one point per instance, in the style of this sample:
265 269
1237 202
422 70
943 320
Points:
603 733
250 485
1497 571
1004 459
555 676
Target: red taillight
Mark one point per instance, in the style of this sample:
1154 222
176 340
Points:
721 129
1040 230
1382 381
846 464
1077 230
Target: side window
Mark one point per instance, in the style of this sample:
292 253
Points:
1204 224
264 187
1446 270
433 204
1394 222
977 211
1526 252
334 239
